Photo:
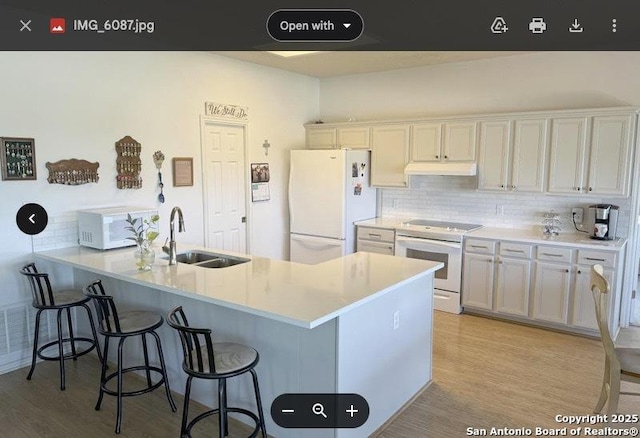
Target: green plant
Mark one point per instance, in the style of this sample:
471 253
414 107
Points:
144 231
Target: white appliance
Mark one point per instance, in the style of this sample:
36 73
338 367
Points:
438 242
105 228
328 191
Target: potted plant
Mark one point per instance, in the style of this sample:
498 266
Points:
144 233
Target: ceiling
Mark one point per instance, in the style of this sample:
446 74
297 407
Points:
339 63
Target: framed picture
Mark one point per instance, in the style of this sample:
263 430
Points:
182 171
18 156
259 172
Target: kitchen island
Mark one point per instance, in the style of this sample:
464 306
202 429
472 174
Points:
357 324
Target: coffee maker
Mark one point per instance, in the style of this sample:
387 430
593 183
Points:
603 221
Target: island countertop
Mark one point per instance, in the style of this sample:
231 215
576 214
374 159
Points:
294 293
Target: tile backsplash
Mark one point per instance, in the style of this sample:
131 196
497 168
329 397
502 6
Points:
61 232
456 198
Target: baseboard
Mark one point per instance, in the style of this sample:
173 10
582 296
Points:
386 424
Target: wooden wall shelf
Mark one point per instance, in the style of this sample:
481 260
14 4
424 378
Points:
73 172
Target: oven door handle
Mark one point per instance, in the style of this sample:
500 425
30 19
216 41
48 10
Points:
401 239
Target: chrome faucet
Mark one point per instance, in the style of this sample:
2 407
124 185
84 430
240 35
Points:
171 249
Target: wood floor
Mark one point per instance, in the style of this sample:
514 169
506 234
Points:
487 373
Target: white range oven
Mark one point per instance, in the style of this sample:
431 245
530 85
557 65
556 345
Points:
438 242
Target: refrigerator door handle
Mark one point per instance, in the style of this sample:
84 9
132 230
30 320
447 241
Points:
290 197
313 244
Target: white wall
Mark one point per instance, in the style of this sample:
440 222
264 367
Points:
77 105
526 82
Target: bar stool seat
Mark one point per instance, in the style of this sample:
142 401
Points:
219 361
44 298
123 325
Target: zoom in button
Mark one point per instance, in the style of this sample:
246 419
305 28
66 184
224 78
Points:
315 25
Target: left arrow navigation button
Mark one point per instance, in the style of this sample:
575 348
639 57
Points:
32 218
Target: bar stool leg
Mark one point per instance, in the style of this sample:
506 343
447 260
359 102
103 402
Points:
221 407
185 408
61 349
263 428
167 389
70 324
93 331
119 405
35 345
146 358
224 401
104 373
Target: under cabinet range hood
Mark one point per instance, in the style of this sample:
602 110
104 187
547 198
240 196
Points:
461 169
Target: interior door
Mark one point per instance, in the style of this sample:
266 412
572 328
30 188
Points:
224 186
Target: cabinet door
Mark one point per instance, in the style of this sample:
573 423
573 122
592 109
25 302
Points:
354 138
493 161
566 162
551 292
610 157
426 142
477 290
512 290
390 155
460 141
583 307
321 138
529 155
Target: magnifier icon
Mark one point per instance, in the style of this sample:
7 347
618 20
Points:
318 409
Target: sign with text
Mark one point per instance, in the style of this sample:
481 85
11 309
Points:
226 111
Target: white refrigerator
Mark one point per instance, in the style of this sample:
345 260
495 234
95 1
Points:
328 191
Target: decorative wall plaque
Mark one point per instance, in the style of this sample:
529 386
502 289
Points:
128 163
18 156
226 111
73 172
182 171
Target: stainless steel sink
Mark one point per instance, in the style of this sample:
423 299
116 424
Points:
209 259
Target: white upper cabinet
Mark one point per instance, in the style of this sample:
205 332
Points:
322 138
450 141
598 164
460 141
389 155
512 163
355 137
568 150
426 142
610 158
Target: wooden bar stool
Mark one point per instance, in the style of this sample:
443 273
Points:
219 361
62 301
122 326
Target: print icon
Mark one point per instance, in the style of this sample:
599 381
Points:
537 25
57 25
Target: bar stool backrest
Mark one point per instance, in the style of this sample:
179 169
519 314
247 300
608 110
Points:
193 340
105 307
40 286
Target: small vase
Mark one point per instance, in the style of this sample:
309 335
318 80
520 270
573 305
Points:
144 256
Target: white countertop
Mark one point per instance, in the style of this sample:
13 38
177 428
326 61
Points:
298 294
533 236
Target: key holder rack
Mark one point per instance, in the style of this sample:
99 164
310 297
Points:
73 172
128 163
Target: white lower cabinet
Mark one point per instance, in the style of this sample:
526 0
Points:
547 285
512 288
478 281
551 292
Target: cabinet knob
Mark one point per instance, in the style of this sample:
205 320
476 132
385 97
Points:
514 187
437 156
566 270
579 271
502 185
445 157
590 189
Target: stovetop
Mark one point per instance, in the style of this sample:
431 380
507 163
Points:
439 230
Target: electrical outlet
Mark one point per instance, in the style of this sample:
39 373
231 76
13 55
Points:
396 319
500 210
577 214
394 203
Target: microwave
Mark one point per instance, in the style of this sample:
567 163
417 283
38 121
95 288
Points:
106 228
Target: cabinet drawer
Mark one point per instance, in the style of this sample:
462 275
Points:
381 234
480 246
377 247
605 258
521 250
554 254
